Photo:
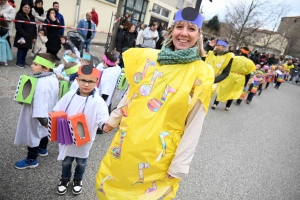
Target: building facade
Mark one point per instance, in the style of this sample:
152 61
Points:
140 10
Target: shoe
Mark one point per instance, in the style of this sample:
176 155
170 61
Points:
43 152
236 103
248 102
62 186
227 109
26 64
259 93
77 186
214 106
21 66
56 57
26 163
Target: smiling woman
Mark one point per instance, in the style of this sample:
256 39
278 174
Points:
161 118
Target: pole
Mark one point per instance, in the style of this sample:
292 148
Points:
109 34
116 26
77 11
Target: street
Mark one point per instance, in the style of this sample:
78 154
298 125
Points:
251 152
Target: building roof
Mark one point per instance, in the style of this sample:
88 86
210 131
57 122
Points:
298 17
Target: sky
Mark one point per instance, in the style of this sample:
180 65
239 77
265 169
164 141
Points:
217 7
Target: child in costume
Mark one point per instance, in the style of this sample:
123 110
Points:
5 49
40 44
155 144
59 70
69 47
83 100
33 120
280 76
254 83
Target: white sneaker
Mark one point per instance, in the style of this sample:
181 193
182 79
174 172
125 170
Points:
77 186
62 186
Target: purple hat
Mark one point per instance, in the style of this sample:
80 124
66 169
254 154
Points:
190 14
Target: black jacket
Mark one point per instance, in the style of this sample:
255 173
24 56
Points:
125 40
53 43
26 31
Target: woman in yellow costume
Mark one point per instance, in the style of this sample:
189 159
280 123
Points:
163 113
232 87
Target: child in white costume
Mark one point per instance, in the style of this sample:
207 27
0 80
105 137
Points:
32 125
86 101
109 78
40 44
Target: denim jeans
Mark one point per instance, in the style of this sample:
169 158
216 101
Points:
21 55
67 166
87 43
34 151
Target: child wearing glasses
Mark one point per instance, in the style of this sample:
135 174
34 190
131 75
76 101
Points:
83 100
33 121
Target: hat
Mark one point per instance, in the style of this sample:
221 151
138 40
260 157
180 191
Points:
89 69
190 14
44 62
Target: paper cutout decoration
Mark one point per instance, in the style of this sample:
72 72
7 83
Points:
25 89
146 89
64 87
162 135
116 151
63 132
140 75
122 82
107 178
155 104
142 166
52 124
79 129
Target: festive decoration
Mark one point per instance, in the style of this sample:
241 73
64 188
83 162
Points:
79 129
52 124
25 89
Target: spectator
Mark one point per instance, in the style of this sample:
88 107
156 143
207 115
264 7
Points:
150 36
255 58
40 44
60 17
7 12
25 34
125 39
87 23
39 13
53 44
231 49
29 2
211 45
139 39
95 18
164 35
12 3
295 74
161 27
5 49
125 19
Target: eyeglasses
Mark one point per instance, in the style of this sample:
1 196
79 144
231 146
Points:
83 82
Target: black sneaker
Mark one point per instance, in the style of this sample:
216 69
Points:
62 186
77 186
21 66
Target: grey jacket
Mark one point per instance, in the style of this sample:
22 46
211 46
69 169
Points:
147 36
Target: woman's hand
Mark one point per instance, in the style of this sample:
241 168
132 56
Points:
33 40
52 17
169 176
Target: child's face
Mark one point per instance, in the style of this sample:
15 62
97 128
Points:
86 83
42 33
36 68
62 40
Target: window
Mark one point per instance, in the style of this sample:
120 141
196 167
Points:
111 1
160 11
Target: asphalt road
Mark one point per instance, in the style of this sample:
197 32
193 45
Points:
251 152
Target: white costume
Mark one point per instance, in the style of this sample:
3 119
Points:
60 70
29 130
96 114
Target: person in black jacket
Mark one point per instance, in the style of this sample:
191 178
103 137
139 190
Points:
25 34
125 39
53 44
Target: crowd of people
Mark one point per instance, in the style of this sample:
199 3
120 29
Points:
161 109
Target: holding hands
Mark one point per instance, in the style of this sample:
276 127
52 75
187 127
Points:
107 128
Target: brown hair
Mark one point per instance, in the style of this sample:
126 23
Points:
69 65
127 26
47 56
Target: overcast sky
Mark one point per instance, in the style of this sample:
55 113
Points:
217 7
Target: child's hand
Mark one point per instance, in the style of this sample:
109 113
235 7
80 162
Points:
59 77
107 128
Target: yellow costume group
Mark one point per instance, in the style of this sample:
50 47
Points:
159 101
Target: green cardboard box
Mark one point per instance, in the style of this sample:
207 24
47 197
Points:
64 87
122 82
25 89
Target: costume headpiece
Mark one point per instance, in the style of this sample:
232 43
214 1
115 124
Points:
44 62
72 70
107 61
222 42
86 56
244 51
89 69
190 14
68 59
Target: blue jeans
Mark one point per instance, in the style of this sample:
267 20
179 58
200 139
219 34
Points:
67 166
21 55
87 43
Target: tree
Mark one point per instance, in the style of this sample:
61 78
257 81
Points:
214 24
116 26
243 18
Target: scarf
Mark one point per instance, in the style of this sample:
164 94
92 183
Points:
42 74
168 57
40 11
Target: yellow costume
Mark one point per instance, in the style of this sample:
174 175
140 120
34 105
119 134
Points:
159 101
288 67
232 86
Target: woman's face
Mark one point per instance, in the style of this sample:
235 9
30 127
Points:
26 9
39 5
132 29
185 35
